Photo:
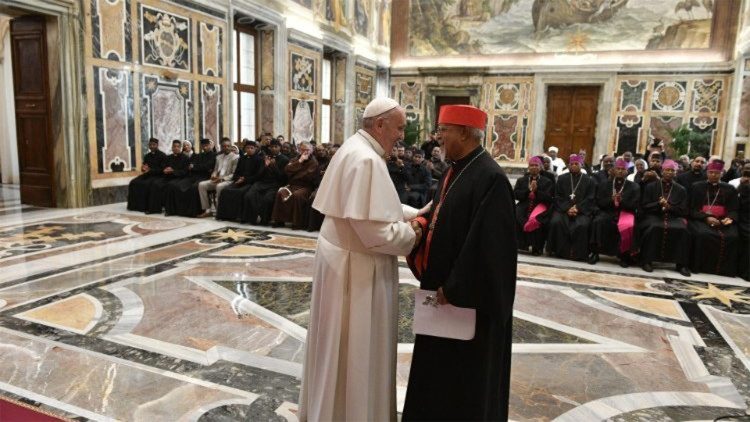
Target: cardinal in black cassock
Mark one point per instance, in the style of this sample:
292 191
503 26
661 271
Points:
181 196
713 224
662 233
613 227
574 207
535 196
246 173
468 255
175 168
153 164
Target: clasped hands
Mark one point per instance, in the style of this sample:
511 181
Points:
714 222
416 226
572 211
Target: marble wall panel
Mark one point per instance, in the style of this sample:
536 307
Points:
633 95
302 73
115 128
697 100
210 57
743 121
303 120
661 126
365 85
166 111
504 136
410 95
165 38
669 96
339 86
172 53
509 105
508 102
304 85
707 95
211 110
267 51
111 30
339 98
628 131
266 113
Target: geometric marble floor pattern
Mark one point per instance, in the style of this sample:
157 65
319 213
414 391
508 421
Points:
209 323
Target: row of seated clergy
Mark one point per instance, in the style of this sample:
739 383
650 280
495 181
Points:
157 170
182 197
578 218
260 192
412 179
258 177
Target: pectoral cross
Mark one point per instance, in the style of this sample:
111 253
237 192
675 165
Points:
572 196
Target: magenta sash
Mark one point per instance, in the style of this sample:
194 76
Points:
532 223
717 211
626 225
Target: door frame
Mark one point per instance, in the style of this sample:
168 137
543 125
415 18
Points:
606 82
71 171
430 117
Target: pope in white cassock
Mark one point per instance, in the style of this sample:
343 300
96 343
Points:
350 366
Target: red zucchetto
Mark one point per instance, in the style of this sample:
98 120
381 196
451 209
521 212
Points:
463 115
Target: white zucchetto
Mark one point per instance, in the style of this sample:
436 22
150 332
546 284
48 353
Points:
379 106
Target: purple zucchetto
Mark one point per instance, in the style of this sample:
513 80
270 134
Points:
575 158
670 164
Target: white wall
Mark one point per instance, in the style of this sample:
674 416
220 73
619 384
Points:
8 145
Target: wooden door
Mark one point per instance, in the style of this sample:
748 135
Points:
571 119
33 121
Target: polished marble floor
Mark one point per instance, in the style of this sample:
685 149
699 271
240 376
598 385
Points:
111 315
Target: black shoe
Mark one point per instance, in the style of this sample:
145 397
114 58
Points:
535 252
624 262
647 268
684 271
593 258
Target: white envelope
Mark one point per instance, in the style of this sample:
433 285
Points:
445 321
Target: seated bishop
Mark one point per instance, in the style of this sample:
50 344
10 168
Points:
713 224
612 229
662 232
535 195
574 207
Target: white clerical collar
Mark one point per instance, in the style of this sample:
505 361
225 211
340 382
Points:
373 143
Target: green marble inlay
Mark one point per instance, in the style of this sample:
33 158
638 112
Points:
529 332
286 298
292 301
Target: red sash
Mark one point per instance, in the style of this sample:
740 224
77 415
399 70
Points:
417 260
717 211
625 225
532 223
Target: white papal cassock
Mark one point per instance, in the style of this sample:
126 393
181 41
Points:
350 365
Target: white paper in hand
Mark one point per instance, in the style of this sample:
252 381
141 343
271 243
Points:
445 321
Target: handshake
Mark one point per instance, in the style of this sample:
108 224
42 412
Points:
418 231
